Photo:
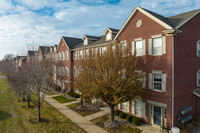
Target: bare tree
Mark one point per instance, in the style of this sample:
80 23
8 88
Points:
112 77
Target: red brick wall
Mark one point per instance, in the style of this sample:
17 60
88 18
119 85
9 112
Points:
197 107
186 63
148 62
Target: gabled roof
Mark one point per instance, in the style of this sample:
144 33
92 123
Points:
44 49
32 53
20 57
173 22
91 37
115 31
71 42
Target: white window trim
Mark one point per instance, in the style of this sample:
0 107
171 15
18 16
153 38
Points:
198 72
66 68
67 55
137 40
108 39
198 48
75 53
164 81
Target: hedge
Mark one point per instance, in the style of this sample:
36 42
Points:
122 115
73 94
116 112
129 118
136 121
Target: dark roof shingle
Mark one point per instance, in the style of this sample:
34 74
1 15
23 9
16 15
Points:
72 42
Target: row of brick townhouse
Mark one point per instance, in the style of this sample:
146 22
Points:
168 52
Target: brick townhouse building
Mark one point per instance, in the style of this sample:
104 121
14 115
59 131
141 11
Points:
18 61
167 50
31 55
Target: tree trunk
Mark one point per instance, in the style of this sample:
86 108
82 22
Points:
112 113
39 118
24 96
82 100
28 100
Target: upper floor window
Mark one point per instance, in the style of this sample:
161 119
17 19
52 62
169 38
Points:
85 41
198 78
75 71
62 56
58 56
198 48
138 48
103 50
109 36
86 53
63 71
74 55
157 45
95 52
66 55
80 54
157 81
66 71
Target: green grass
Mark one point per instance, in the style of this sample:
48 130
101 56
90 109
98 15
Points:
85 112
16 117
121 129
62 99
1 74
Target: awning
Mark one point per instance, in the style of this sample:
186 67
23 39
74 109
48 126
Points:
197 92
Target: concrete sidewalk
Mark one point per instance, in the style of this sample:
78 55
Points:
82 122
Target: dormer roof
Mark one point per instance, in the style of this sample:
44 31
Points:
89 37
114 31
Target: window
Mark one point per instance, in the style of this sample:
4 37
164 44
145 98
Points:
80 54
79 70
75 72
124 45
66 55
74 55
198 48
103 50
198 78
113 48
85 42
66 71
58 56
63 71
86 53
62 56
157 46
95 51
109 36
125 106
138 48
157 81
138 108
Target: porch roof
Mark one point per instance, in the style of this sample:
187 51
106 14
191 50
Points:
197 92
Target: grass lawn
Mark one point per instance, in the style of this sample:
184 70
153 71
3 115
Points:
50 93
121 129
62 99
1 74
84 112
15 117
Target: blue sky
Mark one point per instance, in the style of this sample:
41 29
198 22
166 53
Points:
43 22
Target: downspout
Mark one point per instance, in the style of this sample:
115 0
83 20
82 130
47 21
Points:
172 80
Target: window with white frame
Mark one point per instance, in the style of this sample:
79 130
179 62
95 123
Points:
198 78
157 46
138 107
66 55
63 71
125 106
86 53
198 48
74 55
157 82
109 36
58 56
138 48
80 54
62 56
66 71
75 72
113 48
103 50
95 52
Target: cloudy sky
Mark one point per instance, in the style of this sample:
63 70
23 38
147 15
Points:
43 22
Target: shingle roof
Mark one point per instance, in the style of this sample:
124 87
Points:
174 21
72 42
32 53
20 57
92 37
44 49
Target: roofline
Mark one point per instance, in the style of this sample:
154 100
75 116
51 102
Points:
59 44
92 46
89 38
147 14
188 20
109 30
196 93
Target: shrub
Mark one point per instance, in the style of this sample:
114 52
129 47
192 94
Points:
129 118
122 115
198 119
58 88
73 94
116 112
136 121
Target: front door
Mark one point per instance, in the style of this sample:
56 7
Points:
157 115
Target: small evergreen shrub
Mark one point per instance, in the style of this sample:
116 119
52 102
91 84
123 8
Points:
129 118
122 115
116 112
73 94
136 121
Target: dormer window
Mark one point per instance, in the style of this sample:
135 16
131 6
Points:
109 36
85 42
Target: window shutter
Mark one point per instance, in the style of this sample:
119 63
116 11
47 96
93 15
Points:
144 46
143 110
163 82
133 47
164 44
127 110
144 81
150 46
150 81
133 107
